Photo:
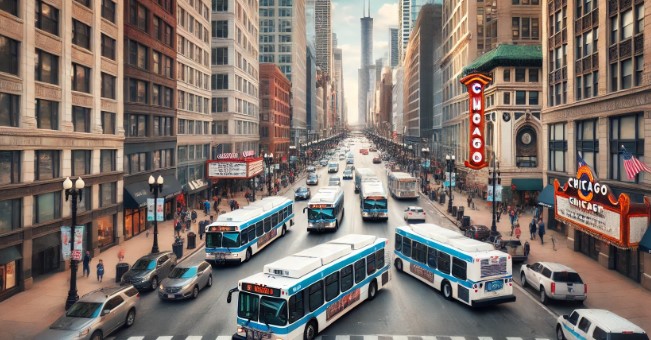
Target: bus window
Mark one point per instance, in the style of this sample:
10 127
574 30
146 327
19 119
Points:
267 224
431 257
316 295
379 258
258 229
274 221
419 252
346 278
285 214
244 237
406 246
459 268
398 242
290 210
251 231
443 262
360 271
332 286
296 307
370 264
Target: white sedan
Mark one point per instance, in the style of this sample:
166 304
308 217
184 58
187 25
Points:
414 213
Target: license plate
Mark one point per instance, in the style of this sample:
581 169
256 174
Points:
494 285
569 297
170 296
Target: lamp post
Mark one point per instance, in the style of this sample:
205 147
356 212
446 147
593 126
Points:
76 194
155 187
495 175
268 159
450 163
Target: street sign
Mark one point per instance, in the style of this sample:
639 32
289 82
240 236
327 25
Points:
150 210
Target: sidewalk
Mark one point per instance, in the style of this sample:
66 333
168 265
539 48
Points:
27 313
607 289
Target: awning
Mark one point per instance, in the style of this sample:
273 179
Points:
172 187
198 185
645 242
45 242
546 197
9 254
527 184
136 194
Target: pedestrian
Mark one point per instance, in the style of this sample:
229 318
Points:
532 229
188 222
178 227
541 230
86 262
469 200
206 206
527 248
194 214
100 270
121 255
512 216
518 231
231 203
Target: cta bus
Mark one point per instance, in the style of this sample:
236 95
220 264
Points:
360 174
403 185
325 210
300 295
373 201
239 234
464 269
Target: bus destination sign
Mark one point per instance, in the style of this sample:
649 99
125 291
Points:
222 228
258 289
318 206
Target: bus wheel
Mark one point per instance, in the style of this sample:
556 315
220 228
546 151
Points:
284 230
311 331
248 255
398 264
447 290
372 290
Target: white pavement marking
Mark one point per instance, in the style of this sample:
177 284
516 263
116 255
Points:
195 337
136 338
484 338
400 337
428 338
370 337
535 300
342 337
513 338
224 337
458 338
165 337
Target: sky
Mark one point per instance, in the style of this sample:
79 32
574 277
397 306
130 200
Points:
346 24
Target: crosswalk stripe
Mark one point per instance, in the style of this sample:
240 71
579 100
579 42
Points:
513 338
165 337
225 337
428 338
484 338
136 338
342 337
195 337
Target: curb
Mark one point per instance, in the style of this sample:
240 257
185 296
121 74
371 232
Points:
443 212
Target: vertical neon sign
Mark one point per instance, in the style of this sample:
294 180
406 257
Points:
475 84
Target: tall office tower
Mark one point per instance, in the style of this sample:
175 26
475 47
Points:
149 108
323 28
310 91
367 38
408 13
193 97
61 97
397 101
283 41
364 84
394 47
310 21
339 88
234 81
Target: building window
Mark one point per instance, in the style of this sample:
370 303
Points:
107 193
84 2
533 75
9 109
138 55
520 74
627 131
47 114
220 127
157 29
108 10
9 167
80 162
520 97
10 216
156 95
220 29
137 162
162 159
105 230
107 160
507 98
220 104
11 7
168 93
80 34
156 66
220 5
47 207
587 143
626 36
168 38
46 67
108 47
533 97
47 164
138 91
9 54
220 56
137 126
81 119
167 67
47 17
138 15
162 126
80 78
557 147
220 81
108 123
108 86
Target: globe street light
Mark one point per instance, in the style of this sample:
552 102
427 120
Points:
155 187
450 163
268 159
76 194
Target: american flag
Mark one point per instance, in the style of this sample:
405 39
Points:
633 165
580 160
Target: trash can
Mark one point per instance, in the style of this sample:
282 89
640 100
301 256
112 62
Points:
120 269
460 213
442 199
432 195
465 222
177 248
454 210
192 240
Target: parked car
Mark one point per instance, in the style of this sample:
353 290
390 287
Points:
478 232
147 272
377 160
513 247
334 180
323 162
554 281
96 315
597 324
312 179
414 213
342 157
185 281
302 193
311 169
372 149
348 174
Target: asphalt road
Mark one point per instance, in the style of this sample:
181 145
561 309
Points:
407 307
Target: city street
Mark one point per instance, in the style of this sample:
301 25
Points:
407 307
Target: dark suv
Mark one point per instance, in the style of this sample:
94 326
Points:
478 232
149 270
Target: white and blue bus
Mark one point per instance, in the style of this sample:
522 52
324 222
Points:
360 174
300 295
325 211
239 234
403 185
373 200
462 268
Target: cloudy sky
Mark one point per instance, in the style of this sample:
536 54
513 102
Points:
346 24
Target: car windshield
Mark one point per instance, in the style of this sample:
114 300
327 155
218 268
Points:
313 177
320 214
273 311
84 310
567 277
301 190
375 204
213 240
183 273
143 264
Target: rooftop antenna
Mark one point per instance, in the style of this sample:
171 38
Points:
363 8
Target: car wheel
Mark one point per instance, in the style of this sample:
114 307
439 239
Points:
311 330
154 283
398 264
97 336
248 255
447 290
372 290
131 318
543 295
559 333
195 292
523 279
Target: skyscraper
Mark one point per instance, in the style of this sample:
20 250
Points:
323 28
367 38
394 46
407 18
366 62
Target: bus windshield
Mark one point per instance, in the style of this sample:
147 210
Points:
247 306
320 214
375 204
273 311
411 185
230 239
213 240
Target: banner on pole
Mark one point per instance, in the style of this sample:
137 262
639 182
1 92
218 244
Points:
498 193
66 239
447 179
159 209
150 210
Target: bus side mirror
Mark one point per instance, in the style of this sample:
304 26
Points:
230 295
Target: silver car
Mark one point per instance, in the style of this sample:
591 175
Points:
96 315
185 281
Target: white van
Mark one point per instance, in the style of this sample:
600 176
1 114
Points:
597 324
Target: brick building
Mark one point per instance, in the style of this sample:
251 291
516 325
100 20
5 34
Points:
275 91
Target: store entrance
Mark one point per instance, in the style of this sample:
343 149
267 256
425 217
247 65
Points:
627 262
586 244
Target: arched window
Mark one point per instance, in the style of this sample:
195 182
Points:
526 151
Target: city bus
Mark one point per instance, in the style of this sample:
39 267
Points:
403 185
373 200
300 295
239 234
360 173
325 210
464 269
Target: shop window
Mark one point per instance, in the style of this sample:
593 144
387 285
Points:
10 215
105 230
7 276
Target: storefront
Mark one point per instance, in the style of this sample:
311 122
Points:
197 191
46 254
234 174
10 267
135 204
600 225
526 190
106 232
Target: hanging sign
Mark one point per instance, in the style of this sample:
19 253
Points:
477 148
160 202
150 210
498 193
78 242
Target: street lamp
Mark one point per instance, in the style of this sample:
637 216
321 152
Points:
76 194
155 187
495 175
268 159
449 160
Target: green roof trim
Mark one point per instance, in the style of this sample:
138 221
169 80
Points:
506 55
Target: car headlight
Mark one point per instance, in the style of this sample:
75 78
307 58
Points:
160 287
84 332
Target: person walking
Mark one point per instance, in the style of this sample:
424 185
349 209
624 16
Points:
518 231
532 229
100 270
194 216
469 200
206 207
541 230
512 216
178 227
86 262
